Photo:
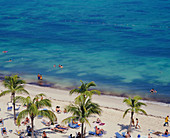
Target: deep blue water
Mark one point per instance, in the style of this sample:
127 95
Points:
122 45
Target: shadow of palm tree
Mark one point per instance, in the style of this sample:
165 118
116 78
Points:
123 127
9 116
39 132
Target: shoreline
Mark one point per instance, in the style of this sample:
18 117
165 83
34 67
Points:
48 84
103 93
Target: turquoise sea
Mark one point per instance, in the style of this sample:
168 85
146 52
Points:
122 45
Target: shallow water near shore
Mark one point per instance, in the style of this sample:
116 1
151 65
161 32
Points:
120 45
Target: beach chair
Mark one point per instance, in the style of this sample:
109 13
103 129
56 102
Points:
165 135
61 127
58 130
3 133
123 134
40 116
94 133
17 108
71 125
9 108
118 135
44 123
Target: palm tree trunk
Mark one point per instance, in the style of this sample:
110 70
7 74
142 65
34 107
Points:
13 97
32 124
82 127
130 126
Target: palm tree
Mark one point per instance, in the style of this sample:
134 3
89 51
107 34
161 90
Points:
135 107
14 86
33 109
81 110
83 89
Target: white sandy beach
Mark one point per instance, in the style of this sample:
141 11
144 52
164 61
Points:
112 114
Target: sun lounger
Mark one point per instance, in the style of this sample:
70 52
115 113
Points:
44 123
4 135
123 134
61 127
94 133
17 108
9 108
58 130
118 135
165 135
71 125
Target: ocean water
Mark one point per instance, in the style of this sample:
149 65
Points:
122 45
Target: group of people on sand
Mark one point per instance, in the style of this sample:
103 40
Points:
26 121
58 110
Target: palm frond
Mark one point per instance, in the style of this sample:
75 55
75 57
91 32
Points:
48 114
20 99
43 102
87 122
126 112
137 98
41 94
22 115
5 92
68 119
74 91
96 92
90 84
139 104
143 111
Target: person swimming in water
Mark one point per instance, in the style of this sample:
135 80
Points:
9 60
4 51
60 66
153 91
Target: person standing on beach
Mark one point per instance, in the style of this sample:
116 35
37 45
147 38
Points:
166 121
41 77
38 76
137 123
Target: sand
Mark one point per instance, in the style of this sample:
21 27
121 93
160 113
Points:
112 114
